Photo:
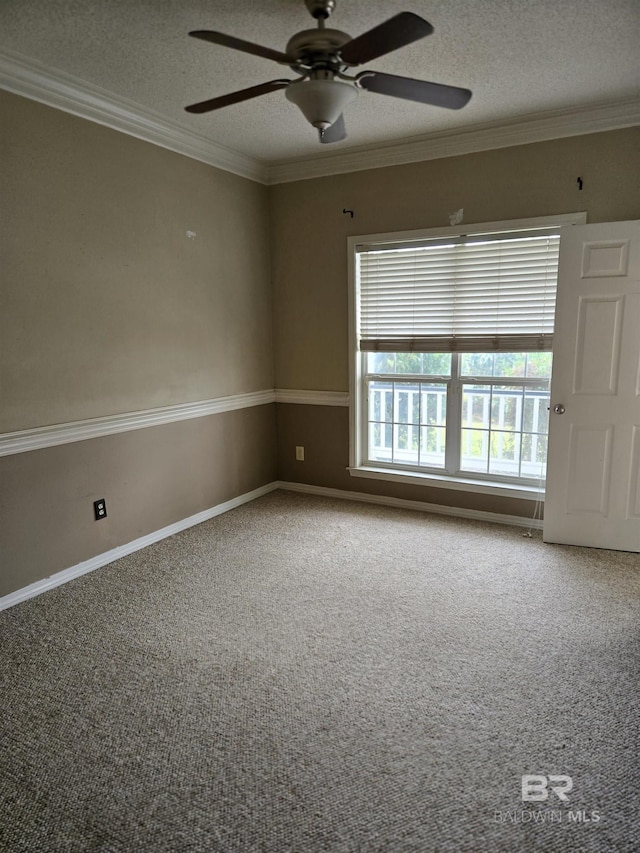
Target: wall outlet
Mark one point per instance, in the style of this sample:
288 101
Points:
300 454
100 509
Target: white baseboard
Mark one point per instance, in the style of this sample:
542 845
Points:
420 506
100 560
107 557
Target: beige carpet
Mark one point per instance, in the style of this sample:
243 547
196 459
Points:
304 674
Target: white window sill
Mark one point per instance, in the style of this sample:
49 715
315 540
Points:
442 481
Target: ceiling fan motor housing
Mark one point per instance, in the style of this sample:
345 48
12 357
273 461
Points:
320 47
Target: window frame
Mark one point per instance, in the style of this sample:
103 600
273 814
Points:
455 384
358 423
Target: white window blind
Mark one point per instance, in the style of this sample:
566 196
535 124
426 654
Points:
475 294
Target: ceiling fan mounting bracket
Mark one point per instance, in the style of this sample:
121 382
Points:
320 9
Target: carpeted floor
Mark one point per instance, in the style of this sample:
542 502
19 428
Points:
304 675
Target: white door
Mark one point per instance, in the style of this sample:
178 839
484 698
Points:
593 468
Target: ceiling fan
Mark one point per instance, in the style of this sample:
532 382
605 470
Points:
321 57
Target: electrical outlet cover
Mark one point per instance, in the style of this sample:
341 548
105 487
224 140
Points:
100 509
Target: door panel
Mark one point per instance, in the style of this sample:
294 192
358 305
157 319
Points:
598 345
593 479
633 505
589 469
605 259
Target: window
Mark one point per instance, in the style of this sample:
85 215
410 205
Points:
496 403
452 338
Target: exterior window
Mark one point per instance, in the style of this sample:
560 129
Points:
453 341
473 414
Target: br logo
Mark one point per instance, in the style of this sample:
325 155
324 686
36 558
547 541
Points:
535 788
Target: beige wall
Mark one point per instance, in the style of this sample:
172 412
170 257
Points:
309 263
108 305
323 431
309 231
151 478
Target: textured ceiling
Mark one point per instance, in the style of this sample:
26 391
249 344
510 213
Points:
519 57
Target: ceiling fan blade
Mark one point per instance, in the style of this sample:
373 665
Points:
241 44
336 133
397 32
236 97
434 94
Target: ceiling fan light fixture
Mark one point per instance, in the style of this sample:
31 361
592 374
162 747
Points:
321 101
321 55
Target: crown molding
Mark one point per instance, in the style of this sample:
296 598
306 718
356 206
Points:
539 127
31 79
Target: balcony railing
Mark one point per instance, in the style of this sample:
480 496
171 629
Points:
502 430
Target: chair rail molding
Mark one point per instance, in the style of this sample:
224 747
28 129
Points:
67 433
312 398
